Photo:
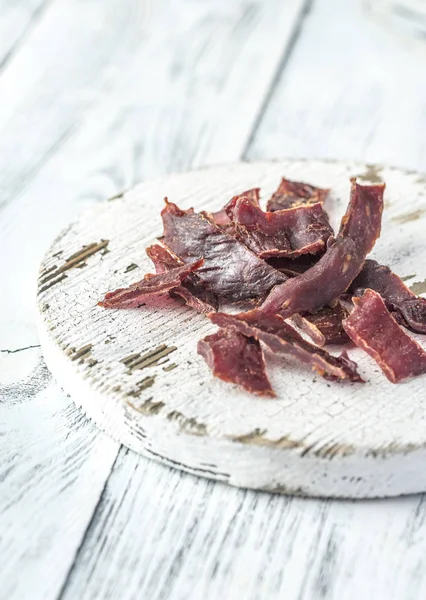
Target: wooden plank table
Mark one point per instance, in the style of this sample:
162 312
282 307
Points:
100 94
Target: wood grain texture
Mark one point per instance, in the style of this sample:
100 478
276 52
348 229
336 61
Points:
17 19
189 539
53 464
351 89
316 438
88 108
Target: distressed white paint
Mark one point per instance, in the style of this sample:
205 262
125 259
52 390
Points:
316 438
87 109
160 535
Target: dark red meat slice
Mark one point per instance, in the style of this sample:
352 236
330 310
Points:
230 269
323 283
283 339
191 289
327 323
372 328
295 193
291 232
410 309
293 266
238 359
150 285
221 217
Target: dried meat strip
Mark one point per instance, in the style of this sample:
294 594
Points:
150 285
409 309
371 326
291 232
326 323
323 283
230 269
237 359
295 193
221 217
283 339
191 289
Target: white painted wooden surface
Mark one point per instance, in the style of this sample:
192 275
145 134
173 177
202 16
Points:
137 373
107 125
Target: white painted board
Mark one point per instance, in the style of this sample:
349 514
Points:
137 374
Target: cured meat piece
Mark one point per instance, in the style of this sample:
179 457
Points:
327 323
293 266
221 217
238 359
230 269
191 289
295 193
323 283
283 339
410 309
308 328
150 285
291 232
372 328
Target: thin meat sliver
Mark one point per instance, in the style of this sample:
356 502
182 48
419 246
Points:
295 193
230 269
222 217
237 359
372 328
150 285
283 339
323 283
327 322
409 309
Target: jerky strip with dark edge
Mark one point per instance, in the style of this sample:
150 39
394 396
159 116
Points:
323 283
150 285
371 326
230 269
291 232
191 289
410 309
237 359
221 217
295 193
283 339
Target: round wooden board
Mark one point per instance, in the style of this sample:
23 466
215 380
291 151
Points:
137 374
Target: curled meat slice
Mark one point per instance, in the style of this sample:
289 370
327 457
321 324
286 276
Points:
371 326
291 232
221 217
295 193
191 289
323 283
150 285
283 339
230 269
324 326
410 309
235 358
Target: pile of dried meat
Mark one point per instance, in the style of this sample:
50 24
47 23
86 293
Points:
292 278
